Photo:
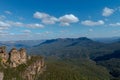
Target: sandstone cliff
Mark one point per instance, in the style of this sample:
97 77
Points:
34 70
27 67
17 57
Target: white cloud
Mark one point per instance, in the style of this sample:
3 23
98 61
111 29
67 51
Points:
3 28
45 18
64 24
3 33
40 15
115 24
26 31
8 12
4 25
35 25
90 30
107 11
48 19
8 24
92 23
17 24
12 33
48 32
67 19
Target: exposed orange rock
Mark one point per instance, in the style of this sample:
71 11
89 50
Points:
17 57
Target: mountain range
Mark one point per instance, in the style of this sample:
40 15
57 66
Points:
104 54
81 52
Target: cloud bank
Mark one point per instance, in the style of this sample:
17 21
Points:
92 23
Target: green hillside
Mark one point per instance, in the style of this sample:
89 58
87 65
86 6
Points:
77 48
74 70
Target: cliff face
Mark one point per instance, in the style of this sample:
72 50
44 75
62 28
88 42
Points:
30 66
34 70
3 54
17 57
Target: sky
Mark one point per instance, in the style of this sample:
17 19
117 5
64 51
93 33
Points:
48 19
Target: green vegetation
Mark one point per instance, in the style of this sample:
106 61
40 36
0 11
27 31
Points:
62 69
15 73
12 73
74 70
113 65
71 48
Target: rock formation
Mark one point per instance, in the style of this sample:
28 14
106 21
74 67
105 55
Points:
23 55
3 54
33 70
17 57
34 65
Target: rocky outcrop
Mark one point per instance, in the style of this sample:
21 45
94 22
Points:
17 57
23 55
30 66
3 54
34 69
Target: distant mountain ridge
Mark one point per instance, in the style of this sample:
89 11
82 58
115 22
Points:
82 46
21 43
67 40
107 40
68 45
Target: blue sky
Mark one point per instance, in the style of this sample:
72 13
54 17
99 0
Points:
47 19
